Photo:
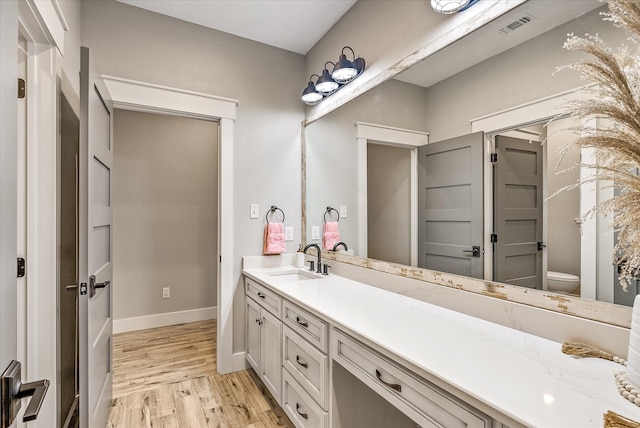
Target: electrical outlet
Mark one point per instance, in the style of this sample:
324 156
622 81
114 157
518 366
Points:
288 233
166 292
255 209
343 211
315 232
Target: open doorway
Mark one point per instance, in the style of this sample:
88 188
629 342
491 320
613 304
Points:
389 203
165 199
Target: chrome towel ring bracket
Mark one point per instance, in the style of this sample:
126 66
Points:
329 211
272 212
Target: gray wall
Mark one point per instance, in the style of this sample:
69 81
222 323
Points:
165 213
132 43
388 200
332 169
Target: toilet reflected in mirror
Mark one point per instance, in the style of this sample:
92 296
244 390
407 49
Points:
562 283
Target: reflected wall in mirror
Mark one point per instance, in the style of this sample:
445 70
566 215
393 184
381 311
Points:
370 176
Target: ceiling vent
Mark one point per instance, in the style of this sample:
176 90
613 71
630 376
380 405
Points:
524 20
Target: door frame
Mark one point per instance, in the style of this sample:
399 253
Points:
538 111
43 25
140 96
397 137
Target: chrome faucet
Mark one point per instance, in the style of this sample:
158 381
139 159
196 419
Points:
319 269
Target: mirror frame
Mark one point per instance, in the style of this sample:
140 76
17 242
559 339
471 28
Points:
603 312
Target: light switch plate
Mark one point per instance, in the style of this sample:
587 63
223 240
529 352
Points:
254 211
288 233
343 211
315 232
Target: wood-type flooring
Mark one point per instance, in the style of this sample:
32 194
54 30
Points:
166 377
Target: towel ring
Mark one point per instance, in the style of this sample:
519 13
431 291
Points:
272 211
328 211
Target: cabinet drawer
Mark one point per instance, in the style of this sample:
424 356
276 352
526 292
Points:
264 296
425 403
300 407
306 325
307 365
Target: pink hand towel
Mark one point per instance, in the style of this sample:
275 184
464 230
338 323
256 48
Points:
330 235
274 239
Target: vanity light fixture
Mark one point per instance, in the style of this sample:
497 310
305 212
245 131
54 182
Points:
325 84
448 7
310 96
344 71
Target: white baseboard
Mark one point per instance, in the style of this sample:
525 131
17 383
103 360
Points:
240 361
162 320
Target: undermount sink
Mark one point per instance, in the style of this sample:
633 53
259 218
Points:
293 275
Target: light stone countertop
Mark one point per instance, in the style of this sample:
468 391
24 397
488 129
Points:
522 376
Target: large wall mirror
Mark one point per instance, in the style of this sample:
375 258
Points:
367 159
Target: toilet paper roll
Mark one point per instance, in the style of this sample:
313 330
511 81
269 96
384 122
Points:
633 356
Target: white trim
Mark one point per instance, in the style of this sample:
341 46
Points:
543 108
393 136
363 240
132 95
51 21
414 207
162 320
240 361
588 229
390 136
226 285
41 26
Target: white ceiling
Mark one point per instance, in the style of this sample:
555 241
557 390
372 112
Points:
294 25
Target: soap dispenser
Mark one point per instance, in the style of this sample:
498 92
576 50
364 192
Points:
300 257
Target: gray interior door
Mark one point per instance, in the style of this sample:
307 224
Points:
518 212
94 245
450 206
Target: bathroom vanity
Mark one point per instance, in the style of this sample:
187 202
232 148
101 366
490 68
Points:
316 341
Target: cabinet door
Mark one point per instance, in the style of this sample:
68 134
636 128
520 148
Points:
271 363
253 334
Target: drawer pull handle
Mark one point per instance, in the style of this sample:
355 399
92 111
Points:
260 295
305 365
302 322
304 415
394 386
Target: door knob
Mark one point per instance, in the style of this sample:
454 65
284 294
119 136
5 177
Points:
541 245
93 285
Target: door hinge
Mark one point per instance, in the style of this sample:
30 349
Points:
494 157
22 88
83 288
21 267
494 238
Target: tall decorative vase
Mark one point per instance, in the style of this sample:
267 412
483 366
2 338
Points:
633 357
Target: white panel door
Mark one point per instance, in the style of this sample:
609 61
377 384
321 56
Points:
95 249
